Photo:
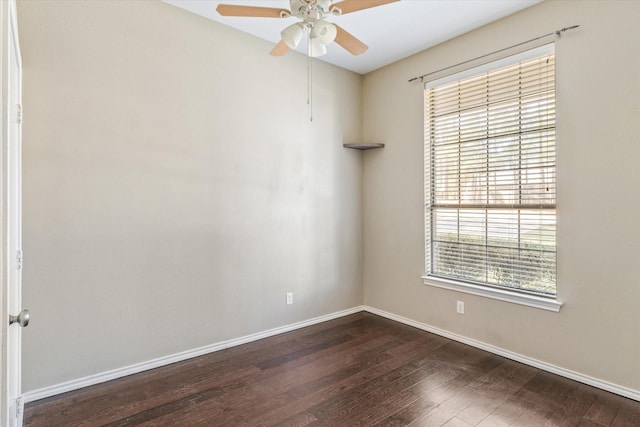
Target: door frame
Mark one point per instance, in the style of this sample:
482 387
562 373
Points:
11 406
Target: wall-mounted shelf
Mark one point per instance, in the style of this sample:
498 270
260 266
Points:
364 145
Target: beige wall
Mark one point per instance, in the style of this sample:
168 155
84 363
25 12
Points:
597 332
174 187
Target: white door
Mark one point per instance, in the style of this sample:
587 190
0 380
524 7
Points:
13 317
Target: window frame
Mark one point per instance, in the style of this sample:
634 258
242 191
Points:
523 297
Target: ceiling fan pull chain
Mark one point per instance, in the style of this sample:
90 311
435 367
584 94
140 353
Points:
309 79
308 71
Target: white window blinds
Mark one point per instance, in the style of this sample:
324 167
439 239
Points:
490 174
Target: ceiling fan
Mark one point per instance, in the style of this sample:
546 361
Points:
312 14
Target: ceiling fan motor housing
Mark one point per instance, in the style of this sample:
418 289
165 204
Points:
310 10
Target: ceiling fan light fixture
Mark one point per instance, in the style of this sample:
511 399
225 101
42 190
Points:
316 48
324 31
292 35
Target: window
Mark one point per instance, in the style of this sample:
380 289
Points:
490 177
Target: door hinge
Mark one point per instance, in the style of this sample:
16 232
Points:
19 259
19 408
16 411
19 114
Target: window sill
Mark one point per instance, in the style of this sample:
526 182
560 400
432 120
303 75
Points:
499 294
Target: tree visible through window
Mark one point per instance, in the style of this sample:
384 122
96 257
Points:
490 175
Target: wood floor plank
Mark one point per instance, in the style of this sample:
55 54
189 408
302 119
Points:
574 407
491 390
382 405
187 402
628 414
298 420
433 396
604 409
305 376
358 370
457 422
375 404
343 387
505 414
542 396
344 402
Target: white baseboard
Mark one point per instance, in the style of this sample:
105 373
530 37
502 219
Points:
178 357
585 379
79 383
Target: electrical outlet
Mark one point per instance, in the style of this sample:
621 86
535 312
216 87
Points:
289 297
460 307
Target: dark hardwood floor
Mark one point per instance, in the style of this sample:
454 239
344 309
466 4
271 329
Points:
359 370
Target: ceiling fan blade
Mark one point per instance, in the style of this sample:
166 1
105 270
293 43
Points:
252 11
349 42
348 6
280 49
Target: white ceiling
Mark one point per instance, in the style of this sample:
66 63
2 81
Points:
392 32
